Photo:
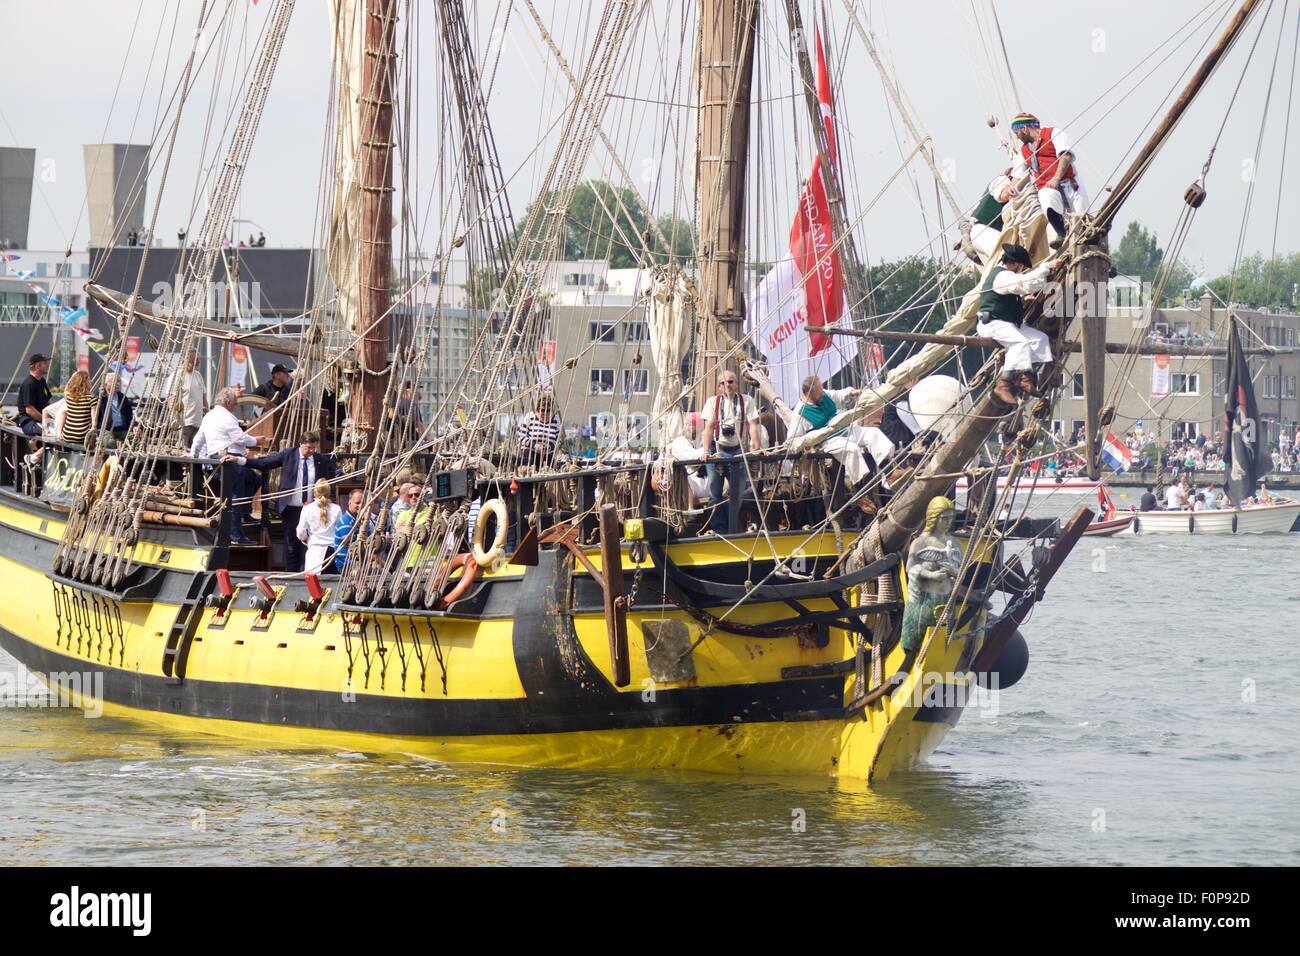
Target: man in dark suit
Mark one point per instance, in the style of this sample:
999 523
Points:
300 467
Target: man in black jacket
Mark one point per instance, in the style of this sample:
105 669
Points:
33 395
300 467
276 388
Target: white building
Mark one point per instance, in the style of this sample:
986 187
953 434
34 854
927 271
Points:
54 273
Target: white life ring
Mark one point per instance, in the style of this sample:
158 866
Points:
497 508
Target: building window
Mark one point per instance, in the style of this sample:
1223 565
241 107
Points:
602 381
1076 430
1186 383
600 331
1290 337
598 424
638 332
636 381
1076 387
636 428
579 279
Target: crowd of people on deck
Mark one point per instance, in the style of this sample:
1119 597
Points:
872 454
76 413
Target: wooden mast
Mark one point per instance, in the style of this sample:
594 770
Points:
1089 281
725 67
903 516
375 163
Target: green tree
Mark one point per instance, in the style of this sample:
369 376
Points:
607 222
904 290
1139 255
1262 283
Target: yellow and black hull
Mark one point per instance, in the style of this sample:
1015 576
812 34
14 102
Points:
525 679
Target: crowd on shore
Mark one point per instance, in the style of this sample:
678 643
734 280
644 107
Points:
1177 456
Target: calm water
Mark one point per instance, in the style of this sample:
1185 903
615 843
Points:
1158 724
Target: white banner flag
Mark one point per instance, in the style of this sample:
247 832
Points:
776 319
1160 376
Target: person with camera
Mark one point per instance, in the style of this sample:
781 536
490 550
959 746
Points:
728 416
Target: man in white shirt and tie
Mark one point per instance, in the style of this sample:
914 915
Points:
219 436
300 466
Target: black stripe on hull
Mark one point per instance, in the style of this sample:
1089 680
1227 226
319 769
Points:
420 717
564 690
931 713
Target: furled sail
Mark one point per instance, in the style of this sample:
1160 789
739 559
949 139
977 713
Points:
347 20
670 336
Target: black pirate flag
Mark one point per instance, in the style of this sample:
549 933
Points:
1243 463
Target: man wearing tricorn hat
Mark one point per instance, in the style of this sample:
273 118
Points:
1002 316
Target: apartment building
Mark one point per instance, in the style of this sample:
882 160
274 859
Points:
1183 396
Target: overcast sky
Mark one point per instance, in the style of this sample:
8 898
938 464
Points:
63 59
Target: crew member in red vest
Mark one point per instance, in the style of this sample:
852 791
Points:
1046 153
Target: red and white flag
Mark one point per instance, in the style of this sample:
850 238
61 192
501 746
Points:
807 288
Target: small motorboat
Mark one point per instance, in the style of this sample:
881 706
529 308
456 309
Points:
1276 517
1110 526
1110 520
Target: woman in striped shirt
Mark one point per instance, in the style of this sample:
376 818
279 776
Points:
538 433
79 409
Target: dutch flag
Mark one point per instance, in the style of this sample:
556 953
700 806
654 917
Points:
1115 453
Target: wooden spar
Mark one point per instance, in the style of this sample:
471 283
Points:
375 254
725 66
841 235
609 577
118 302
903 516
185 521
1121 191
1090 273
153 504
611 563
1112 348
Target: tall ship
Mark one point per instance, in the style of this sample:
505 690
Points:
524 604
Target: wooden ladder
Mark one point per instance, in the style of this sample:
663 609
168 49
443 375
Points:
188 615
